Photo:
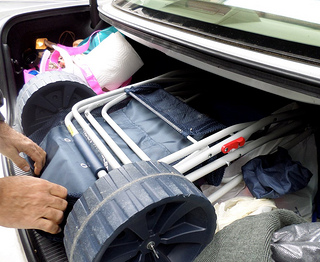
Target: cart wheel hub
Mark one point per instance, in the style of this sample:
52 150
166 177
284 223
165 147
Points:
151 246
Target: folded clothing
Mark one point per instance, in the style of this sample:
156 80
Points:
302 201
240 207
274 175
248 239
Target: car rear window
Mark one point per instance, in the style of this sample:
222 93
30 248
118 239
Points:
288 26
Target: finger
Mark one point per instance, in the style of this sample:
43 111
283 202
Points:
38 155
48 226
54 215
40 161
20 162
37 168
35 152
59 191
58 203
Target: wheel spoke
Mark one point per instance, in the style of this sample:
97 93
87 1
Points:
154 216
143 226
122 251
67 95
162 257
184 233
124 239
174 215
140 258
45 104
140 228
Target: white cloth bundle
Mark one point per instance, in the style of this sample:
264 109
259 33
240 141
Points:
240 207
113 61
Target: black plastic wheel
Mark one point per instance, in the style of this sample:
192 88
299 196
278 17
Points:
144 211
47 94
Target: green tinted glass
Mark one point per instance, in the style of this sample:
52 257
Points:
293 20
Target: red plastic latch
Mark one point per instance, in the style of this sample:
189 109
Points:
233 145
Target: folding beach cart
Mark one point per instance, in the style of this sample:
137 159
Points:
132 159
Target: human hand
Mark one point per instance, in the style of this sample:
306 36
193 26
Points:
31 203
13 142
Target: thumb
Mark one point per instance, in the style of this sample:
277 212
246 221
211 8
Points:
21 163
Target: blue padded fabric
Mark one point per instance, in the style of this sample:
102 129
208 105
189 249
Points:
188 120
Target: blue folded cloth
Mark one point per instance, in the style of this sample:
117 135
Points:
274 175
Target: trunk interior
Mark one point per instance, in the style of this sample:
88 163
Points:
20 50
224 100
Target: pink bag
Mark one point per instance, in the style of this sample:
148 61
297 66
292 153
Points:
50 61
108 66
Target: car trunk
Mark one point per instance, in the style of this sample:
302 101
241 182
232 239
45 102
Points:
19 52
225 100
